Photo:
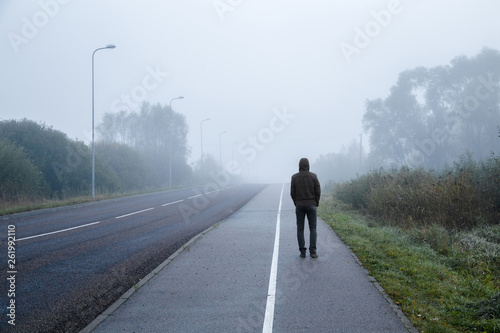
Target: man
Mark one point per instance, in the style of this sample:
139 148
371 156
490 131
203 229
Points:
305 192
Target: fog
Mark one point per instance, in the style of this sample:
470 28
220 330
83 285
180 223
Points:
279 80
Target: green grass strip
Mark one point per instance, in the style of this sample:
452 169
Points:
439 291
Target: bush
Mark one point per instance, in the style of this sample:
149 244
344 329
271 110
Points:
485 175
19 177
125 162
356 191
459 197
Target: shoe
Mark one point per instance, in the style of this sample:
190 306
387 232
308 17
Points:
303 255
314 255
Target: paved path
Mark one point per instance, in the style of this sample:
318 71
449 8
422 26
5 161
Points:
220 282
72 262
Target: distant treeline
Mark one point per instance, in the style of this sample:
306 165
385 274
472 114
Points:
434 149
38 162
431 117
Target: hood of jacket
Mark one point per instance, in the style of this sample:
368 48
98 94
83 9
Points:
304 164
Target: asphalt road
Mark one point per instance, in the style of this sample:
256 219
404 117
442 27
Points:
246 275
73 262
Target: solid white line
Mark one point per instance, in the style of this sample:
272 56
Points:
171 203
56 232
141 211
271 292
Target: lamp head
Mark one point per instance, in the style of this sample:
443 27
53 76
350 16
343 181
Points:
110 46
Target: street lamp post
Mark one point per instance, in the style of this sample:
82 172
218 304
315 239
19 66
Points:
201 136
170 143
109 46
220 148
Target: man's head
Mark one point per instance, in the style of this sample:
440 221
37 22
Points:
304 164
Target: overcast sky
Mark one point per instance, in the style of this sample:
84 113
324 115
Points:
285 78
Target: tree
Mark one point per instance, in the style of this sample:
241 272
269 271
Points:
477 112
158 133
19 177
125 162
65 164
433 115
339 166
203 171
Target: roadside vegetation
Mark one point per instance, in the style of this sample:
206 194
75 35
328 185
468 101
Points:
431 239
20 206
424 214
41 167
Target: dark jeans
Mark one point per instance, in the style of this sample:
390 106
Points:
301 212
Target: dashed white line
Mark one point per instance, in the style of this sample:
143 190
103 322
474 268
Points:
271 292
214 191
58 231
118 217
199 195
171 203
140 211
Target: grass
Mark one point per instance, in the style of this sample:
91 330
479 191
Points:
443 281
23 205
20 206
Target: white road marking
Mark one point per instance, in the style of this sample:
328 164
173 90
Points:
271 292
140 211
118 217
56 232
171 203
199 195
214 191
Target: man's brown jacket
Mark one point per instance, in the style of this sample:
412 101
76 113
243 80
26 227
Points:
305 189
